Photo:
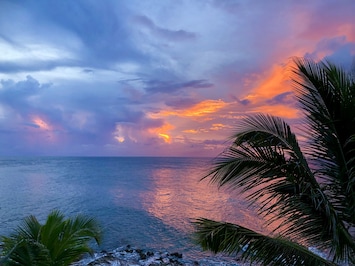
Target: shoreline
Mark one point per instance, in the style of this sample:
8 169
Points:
133 256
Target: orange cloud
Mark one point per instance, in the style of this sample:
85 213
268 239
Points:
273 84
41 123
191 131
138 133
279 110
44 131
204 108
162 132
120 139
166 137
218 126
200 109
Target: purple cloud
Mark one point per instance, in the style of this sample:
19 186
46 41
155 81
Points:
108 78
181 103
171 86
171 35
283 98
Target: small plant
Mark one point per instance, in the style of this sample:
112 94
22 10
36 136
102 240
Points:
58 241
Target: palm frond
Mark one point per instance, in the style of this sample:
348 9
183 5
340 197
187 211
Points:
252 246
327 95
74 240
29 229
310 190
24 252
265 158
266 161
59 241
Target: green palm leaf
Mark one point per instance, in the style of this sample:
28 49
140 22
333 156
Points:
327 96
253 247
23 247
59 241
74 239
265 158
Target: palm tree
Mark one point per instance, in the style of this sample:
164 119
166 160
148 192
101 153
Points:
57 242
306 188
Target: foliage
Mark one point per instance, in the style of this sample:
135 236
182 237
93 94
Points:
58 241
308 186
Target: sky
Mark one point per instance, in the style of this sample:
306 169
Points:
153 77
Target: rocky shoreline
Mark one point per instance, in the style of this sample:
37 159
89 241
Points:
130 256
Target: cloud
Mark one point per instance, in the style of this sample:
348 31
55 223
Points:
283 98
243 102
70 117
171 86
171 35
146 132
180 102
326 48
198 110
21 95
104 38
66 34
153 78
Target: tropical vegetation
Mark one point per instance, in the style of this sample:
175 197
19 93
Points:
58 241
303 186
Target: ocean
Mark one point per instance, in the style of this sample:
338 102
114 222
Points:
146 202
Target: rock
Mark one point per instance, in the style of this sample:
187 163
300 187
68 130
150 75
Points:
106 259
165 260
130 256
149 253
176 254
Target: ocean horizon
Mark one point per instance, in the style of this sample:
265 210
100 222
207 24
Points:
146 202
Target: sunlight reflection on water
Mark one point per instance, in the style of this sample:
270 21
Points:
146 202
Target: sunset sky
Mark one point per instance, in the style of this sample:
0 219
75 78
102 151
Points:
154 77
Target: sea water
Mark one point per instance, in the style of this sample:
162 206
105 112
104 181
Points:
146 202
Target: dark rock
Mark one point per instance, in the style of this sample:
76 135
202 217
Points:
177 254
142 256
